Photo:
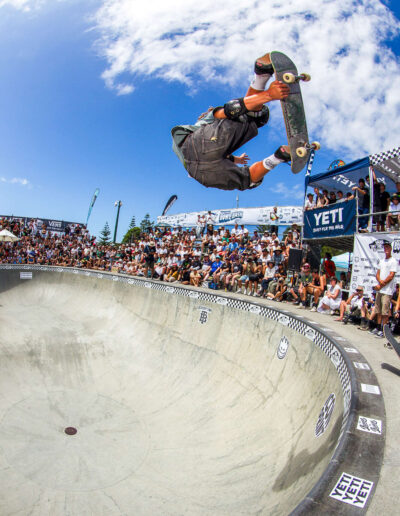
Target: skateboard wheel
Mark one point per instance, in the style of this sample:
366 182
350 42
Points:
305 77
301 152
316 145
289 78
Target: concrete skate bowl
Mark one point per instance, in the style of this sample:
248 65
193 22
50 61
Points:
125 396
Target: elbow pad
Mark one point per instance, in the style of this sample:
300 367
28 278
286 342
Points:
235 108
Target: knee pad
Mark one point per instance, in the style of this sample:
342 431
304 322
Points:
235 109
260 117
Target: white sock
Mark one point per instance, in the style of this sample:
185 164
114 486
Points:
260 81
271 162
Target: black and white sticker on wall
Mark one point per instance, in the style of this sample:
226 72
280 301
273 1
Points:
325 415
352 490
367 424
282 348
204 311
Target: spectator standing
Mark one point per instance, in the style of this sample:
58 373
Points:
274 218
384 201
363 202
385 288
329 267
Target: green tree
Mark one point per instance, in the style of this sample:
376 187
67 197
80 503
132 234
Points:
146 223
131 235
333 251
105 235
133 222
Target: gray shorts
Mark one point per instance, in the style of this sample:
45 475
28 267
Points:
206 149
382 303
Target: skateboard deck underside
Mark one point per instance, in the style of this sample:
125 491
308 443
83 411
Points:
293 111
390 337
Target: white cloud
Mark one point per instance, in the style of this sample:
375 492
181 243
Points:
288 192
16 180
24 5
353 100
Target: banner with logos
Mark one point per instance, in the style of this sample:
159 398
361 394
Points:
334 220
267 215
368 251
57 226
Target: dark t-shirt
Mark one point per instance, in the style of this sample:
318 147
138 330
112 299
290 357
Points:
383 200
364 199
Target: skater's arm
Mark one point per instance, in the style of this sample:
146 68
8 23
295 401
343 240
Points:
277 91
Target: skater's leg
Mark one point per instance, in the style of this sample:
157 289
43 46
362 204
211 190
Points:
259 169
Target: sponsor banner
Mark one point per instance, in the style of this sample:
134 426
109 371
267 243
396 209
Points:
284 216
368 251
57 226
352 490
335 220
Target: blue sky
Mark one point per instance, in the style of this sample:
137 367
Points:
89 93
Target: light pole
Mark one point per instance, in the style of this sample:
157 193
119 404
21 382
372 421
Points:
118 204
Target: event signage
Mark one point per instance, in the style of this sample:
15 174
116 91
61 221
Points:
334 220
57 226
284 216
368 251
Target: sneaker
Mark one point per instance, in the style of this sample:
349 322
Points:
379 334
282 153
388 345
296 303
374 331
314 309
332 312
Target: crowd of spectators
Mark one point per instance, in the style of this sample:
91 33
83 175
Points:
386 206
231 260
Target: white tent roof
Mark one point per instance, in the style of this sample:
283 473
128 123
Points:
7 236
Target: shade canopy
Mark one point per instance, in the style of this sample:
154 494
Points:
7 236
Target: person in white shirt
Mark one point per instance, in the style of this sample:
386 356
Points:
393 217
310 204
353 306
385 288
333 297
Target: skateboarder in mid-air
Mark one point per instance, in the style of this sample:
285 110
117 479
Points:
206 148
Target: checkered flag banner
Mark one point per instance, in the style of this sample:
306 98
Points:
380 157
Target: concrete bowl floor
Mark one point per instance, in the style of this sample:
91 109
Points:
119 399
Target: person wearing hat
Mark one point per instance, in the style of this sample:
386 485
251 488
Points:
393 217
278 256
385 288
304 281
269 274
352 307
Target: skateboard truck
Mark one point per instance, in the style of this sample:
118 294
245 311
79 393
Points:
290 78
302 151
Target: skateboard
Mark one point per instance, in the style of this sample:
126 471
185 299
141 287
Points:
390 337
293 110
